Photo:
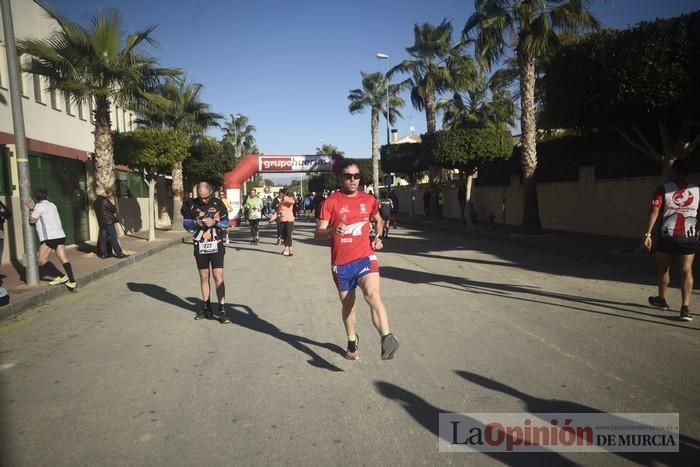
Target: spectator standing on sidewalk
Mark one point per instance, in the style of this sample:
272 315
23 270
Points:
106 213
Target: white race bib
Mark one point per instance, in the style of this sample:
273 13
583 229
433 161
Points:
208 247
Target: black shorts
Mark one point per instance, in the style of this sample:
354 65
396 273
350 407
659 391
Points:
54 242
676 248
215 260
254 222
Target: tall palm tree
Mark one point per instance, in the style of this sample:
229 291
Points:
437 66
488 103
181 110
100 65
530 28
239 133
373 95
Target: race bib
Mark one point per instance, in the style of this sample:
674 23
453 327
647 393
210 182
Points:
208 247
255 214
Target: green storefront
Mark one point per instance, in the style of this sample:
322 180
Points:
65 181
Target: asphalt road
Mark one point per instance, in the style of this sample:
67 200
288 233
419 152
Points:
120 374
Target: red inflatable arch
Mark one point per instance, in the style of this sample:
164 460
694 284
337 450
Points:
252 164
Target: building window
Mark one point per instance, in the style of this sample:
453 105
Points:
116 116
38 94
81 110
54 100
124 119
66 98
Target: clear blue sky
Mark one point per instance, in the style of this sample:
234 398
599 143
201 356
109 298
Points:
288 65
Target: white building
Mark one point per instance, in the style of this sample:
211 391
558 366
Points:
59 140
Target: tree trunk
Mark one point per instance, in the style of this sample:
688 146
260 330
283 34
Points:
178 190
438 175
104 151
468 206
375 151
528 139
151 209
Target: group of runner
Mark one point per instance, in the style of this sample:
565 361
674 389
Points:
345 217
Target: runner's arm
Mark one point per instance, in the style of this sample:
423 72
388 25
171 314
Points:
653 216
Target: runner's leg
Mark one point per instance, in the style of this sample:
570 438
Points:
204 284
347 299
687 277
663 277
61 253
218 274
370 288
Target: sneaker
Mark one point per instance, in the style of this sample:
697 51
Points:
221 317
59 280
204 313
659 302
353 351
71 285
685 314
390 344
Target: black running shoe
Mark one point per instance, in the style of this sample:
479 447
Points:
685 314
204 313
221 316
659 302
390 344
353 351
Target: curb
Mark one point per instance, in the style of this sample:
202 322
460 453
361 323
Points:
40 296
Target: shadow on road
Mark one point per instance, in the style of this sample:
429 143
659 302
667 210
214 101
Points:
520 293
244 316
689 447
581 257
426 415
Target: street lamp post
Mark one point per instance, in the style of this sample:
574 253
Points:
385 57
15 77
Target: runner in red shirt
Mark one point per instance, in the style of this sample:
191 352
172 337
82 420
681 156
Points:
345 219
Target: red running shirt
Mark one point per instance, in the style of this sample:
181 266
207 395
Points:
354 212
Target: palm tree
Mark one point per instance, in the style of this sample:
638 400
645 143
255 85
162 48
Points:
99 65
437 66
181 110
373 95
239 133
488 103
530 28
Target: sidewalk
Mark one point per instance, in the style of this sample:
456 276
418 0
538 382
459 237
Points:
87 267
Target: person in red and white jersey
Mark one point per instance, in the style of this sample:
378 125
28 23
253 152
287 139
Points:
345 219
677 201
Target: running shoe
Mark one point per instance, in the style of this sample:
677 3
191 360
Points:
71 285
685 314
59 280
390 344
221 316
659 302
353 351
204 313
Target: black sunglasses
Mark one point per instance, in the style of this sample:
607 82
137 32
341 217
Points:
349 176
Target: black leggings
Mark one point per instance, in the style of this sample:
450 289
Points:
286 229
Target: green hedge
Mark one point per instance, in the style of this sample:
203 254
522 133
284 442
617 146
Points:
466 149
405 158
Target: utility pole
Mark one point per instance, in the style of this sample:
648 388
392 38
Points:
25 187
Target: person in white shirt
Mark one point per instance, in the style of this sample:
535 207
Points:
44 215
